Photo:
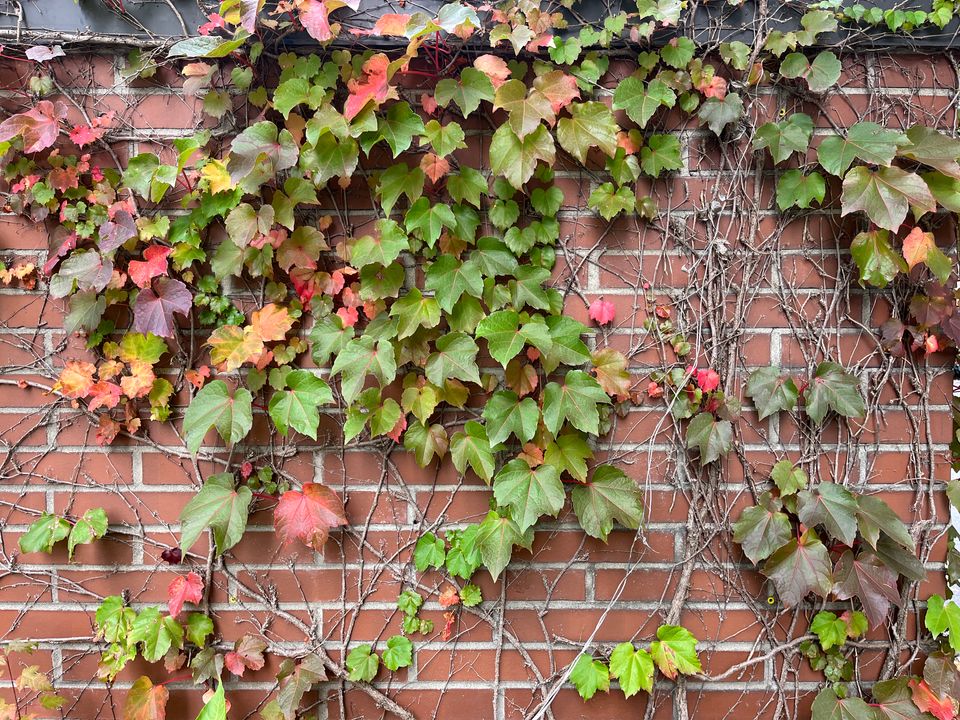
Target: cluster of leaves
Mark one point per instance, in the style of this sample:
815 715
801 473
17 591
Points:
673 653
865 548
49 529
32 689
826 654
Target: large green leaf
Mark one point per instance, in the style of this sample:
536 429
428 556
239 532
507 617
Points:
832 506
772 391
717 114
505 414
885 195
472 87
156 633
455 358
762 529
261 142
827 706
575 401
609 496
642 101
569 453
220 506
878 263
633 668
875 516
414 311
662 152
784 138
943 617
833 388
516 159
588 676
495 540
297 406
820 74
382 248
362 357
214 406
794 189
399 126
675 651
449 279
590 124
526 109
528 492
471 447
505 337
931 147
712 437
800 567
865 141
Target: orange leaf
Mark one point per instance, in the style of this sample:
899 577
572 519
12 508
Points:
76 379
449 597
153 265
927 701
434 166
146 701
233 346
308 514
375 86
917 246
494 68
272 323
140 380
391 24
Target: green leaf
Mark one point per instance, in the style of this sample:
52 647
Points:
527 288
609 496
206 46
823 72
328 337
633 668
44 533
878 263
467 185
496 537
678 52
717 114
772 391
114 619
158 634
785 138
569 453
399 126
675 651
429 552
575 402
831 630
220 506
865 141
736 54
588 676
449 279
529 493
834 388
399 180
591 125
832 506
329 158
91 526
471 447
788 479
642 101
445 138
414 311
505 414
516 159
662 152
216 708
463 557
526 109
199 628
429 220
297 407
762 529
359 358
794 189
929 146
566 346
800 567
455 358
472 87
827 706
943 617
399 653
610 201
875 516
710 436
213 406
261 142
382 249
470 596
885 195
362 664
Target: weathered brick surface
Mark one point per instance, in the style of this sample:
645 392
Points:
794 301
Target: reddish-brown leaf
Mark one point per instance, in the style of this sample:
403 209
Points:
308 514
154 264
247 654
39 126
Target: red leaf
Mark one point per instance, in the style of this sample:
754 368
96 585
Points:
154 309
184 589
247 654
83 135
104 394
39 126
925 699
917 246
375 85
315 16
308 515
107 430
153 265
601 312
708 380
398 429
449 597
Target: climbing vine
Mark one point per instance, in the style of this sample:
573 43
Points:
437 323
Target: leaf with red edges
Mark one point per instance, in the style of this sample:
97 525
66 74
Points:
927 701
247 654
308 515
374 85
39 126
184 589
146 701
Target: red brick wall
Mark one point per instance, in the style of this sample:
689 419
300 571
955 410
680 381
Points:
748 286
